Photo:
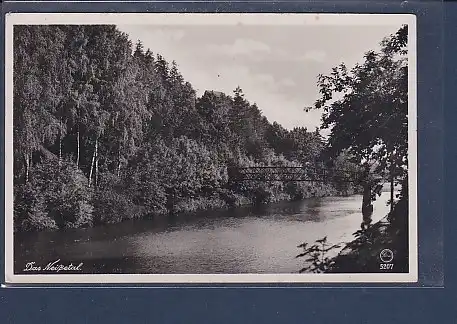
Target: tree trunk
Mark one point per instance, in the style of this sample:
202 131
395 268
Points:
60 144
30 164
96 163
119 164
367 207
77 153
27 167
170 200
391 189
93 162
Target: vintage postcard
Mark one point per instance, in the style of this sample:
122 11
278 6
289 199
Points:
210 148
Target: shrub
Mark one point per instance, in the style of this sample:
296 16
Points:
30 212
54 197
112 203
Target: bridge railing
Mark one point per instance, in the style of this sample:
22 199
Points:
285 173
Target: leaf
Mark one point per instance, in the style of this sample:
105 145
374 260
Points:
303 254
322 240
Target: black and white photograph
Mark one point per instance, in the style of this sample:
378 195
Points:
210 148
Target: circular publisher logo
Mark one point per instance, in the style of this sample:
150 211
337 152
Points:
386 255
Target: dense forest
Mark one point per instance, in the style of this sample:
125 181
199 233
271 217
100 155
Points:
105 130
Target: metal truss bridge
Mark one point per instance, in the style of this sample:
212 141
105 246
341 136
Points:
274 173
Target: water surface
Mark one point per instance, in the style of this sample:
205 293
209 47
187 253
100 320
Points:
242 240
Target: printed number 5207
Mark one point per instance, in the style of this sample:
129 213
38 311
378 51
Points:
386 266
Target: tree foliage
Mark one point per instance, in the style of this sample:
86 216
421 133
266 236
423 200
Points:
366 111
106 131
366 108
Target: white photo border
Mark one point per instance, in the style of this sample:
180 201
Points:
228 19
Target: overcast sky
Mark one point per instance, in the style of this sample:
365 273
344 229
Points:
276 66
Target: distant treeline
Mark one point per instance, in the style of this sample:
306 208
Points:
106 131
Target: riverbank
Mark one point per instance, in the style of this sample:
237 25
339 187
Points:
362 255
114 201
232 198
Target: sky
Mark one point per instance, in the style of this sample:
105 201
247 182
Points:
276 66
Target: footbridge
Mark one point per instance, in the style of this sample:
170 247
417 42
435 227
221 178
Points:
286 173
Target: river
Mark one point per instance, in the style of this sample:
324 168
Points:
241 240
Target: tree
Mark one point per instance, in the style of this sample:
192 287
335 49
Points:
213 109
41 94
139 49
369 121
